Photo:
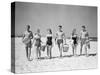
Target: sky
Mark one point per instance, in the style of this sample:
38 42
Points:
44 16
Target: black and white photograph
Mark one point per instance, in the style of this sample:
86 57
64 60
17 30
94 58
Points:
53 37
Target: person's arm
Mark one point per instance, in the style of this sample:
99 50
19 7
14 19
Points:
23 36
64 38
80 35
77 38
31 37
64 35
56 37
87 36
40 38
52 40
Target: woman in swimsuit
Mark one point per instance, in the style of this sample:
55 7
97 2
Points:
49 43
75 39
37 38
59 39
27 36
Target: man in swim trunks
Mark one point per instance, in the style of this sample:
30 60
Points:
84 37
27 36
59 39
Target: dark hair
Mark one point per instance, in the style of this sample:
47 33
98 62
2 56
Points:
60 26
28 26
83 27
38 30
73 31
50 31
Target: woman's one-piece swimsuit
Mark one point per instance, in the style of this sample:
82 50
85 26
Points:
49 40
74 38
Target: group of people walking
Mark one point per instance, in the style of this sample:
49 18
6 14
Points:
59 40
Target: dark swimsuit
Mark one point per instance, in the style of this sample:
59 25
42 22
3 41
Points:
49 40
74 40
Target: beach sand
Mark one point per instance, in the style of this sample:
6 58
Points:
67 62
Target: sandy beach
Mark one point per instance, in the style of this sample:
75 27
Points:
67 62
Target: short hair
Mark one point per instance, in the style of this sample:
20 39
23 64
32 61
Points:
60 26
38 30
83 27
28 26
73 31
49 30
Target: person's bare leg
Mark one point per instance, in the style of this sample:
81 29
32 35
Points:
89 46
86 50
73 49
39 52
27 52
81 49
60 50
50 52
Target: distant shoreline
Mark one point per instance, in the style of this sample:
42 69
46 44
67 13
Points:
91 38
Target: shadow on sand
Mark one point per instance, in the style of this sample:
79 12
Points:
69 56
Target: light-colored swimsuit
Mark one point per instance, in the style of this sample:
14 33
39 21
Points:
27 38
38 40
